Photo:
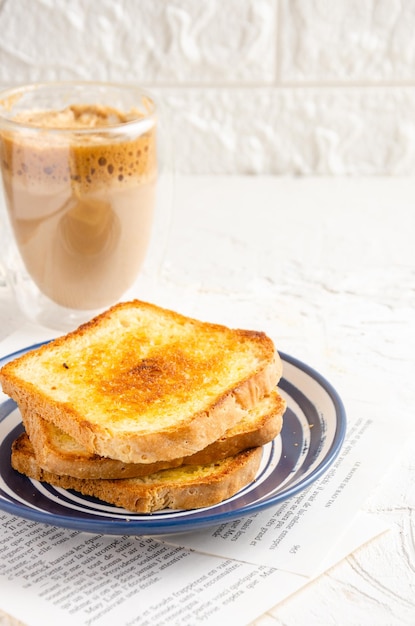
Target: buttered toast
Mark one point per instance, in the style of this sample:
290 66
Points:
59 453
142 384
186 487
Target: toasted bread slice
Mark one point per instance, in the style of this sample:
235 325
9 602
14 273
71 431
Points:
187 487
60 453
143 384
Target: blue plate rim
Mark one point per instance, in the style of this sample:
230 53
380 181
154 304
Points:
157 526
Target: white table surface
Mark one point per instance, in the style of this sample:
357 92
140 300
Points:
327 268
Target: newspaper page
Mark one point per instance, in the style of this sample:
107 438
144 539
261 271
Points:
50 575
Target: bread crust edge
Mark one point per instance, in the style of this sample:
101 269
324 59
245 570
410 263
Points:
143 498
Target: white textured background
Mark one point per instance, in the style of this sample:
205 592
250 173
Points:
290 87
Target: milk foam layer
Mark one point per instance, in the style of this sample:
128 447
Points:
81 204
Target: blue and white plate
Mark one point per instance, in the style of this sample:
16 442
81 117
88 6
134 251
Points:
311 437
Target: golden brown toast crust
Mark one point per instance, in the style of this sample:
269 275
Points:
183 488
143 384
59 453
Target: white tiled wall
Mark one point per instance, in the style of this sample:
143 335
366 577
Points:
291 87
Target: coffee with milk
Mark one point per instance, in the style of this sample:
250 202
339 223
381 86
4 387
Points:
80 204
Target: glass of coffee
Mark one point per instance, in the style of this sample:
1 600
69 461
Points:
81 166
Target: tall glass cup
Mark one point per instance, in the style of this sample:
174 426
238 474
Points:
81 165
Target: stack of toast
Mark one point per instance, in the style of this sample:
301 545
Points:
147 409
